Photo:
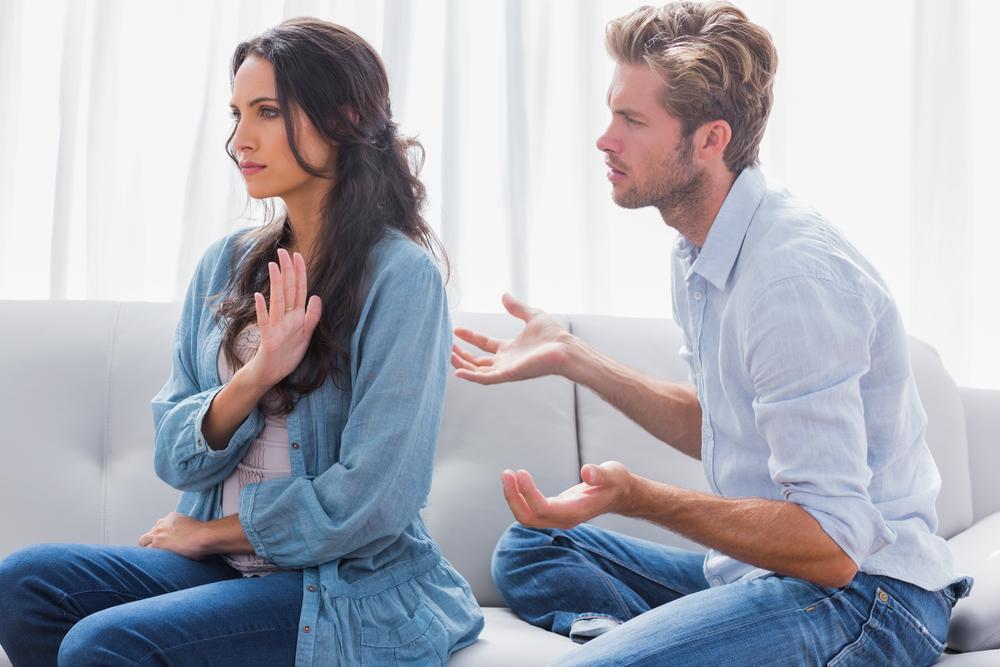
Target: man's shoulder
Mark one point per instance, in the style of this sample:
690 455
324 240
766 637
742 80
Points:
790 239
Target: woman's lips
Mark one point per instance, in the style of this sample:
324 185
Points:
252 169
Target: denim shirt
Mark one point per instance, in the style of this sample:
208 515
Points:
361 461
801 363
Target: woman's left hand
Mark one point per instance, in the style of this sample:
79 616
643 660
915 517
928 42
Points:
178 533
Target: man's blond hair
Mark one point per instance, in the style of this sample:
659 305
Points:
715 65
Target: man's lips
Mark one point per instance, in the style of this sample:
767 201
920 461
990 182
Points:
614 173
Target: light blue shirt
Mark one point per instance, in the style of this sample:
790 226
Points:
361 461
802 368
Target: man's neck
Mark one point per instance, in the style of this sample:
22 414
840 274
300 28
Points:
694 220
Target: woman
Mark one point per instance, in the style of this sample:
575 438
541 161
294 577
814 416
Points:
301 431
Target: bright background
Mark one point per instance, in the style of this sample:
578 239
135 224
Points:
113 177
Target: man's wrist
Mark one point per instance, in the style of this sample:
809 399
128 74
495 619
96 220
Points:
579 358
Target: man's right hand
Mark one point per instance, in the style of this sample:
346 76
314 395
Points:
540 349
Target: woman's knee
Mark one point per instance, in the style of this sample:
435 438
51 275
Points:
94 642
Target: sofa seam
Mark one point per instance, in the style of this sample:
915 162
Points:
106 462
576 411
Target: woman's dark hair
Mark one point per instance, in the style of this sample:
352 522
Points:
339 82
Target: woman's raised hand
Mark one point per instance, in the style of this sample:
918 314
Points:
287 326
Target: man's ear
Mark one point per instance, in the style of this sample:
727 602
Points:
711 140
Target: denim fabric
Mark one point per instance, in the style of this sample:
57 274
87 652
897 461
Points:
346 520
670 615
802 367
92 605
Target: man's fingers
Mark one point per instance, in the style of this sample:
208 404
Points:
469 357
480 376
514 499
482 341
459 362
517 308
538 503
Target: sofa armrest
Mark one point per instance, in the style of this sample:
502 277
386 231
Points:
975 622
982 424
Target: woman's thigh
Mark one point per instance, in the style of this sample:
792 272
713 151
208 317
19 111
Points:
241 621
47 588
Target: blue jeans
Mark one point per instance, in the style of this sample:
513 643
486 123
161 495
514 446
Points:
81 604
655 607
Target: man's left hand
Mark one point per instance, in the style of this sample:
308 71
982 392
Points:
605 488
178 533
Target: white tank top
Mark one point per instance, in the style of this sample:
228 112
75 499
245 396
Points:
267 458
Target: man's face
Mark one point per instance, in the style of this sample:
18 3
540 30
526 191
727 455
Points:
650 163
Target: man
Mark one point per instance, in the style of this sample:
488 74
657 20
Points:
802 406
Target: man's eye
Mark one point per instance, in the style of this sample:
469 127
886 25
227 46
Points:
631 121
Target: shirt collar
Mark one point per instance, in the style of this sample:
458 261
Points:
716 259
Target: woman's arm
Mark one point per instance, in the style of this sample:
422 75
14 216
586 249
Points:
182 457
363 502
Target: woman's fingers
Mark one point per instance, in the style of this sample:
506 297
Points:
300 280
261 306
314 311
287 277
277 293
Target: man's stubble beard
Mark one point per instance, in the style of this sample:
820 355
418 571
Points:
676 187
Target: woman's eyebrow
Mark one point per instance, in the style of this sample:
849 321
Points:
256 101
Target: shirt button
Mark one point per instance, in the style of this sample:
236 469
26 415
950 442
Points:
311 588
697 296
307 629
295 445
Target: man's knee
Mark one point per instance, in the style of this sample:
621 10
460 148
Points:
514 550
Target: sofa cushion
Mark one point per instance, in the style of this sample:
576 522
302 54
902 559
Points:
946 437
484 430
974 624
507 640
650 346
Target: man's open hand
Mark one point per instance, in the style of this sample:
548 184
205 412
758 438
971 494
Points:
605 488
540 349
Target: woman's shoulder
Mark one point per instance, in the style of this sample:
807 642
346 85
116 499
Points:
396 255
220 254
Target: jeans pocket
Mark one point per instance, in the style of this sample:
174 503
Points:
421 640
890 636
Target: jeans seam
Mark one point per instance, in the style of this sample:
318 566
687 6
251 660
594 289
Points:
783 612
611 558
161 652
62 607
606 579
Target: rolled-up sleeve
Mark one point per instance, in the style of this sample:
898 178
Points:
182 457
364 501
807 350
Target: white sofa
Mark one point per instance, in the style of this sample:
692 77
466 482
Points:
77 378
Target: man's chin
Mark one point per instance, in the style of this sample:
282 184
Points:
628 199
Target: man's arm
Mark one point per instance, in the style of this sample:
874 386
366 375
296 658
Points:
776 535
667 410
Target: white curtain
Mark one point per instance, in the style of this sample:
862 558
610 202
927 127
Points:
113 178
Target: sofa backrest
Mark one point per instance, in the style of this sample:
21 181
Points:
78 377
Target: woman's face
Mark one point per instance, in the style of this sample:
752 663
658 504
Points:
260 138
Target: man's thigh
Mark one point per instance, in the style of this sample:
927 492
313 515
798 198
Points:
770 621
243 621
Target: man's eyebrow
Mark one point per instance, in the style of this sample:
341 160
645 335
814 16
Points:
629 112
256 101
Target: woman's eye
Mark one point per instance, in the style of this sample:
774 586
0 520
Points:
235 115
268 112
